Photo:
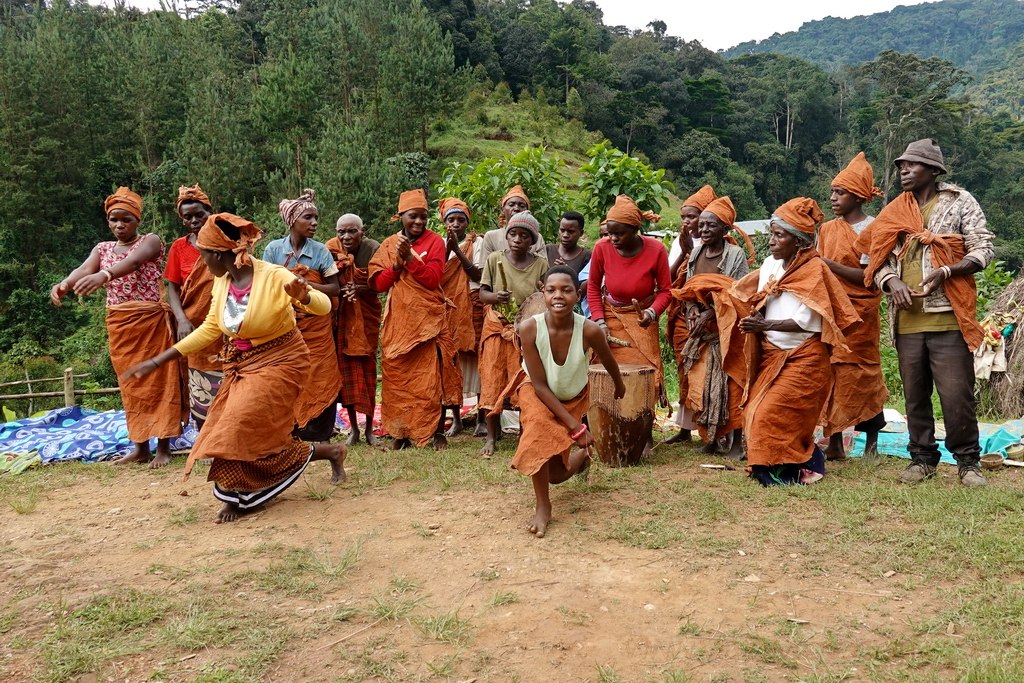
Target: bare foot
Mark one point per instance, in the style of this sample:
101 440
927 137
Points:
440 442
336 453
736 452
353 438
648 449
682 436
539 524
228 513
710 448
488 449
456 427
162 459
400 444
835 448
371 438
481 428
141 454
871 452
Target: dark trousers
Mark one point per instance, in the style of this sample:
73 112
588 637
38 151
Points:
942 359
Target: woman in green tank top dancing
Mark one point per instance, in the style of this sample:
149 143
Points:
554 394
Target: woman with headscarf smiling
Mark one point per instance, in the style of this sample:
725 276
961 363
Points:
312 261
138 324
786 320
250 430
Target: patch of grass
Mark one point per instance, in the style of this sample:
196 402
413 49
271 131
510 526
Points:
185 516
201 626
24 503
402 585
672 676
689 628
304 572
501 599
7 620
606 674
654 527
448 628
444 667
391 607
222 675
573 617
346 613
107 627
172 574
488 574
768 651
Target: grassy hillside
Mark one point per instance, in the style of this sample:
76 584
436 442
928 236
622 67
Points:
973 34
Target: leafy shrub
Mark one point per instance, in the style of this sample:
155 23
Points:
611 172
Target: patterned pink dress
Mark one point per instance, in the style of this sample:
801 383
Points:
145 284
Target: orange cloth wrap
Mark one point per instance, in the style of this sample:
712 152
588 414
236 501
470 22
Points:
858 389
449 203
192 193
902 218
802 213
411 199
321 388
413 341
157 404
624 324
543 435
358 334
212 238
701 198
515 191
500 359
124 199
253 414
196 296
858 178
627 212
711 291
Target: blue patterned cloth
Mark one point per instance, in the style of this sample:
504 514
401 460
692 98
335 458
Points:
994 438
77 433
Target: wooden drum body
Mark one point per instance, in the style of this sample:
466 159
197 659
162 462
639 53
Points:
621 428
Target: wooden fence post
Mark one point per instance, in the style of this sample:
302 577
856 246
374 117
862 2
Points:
69 387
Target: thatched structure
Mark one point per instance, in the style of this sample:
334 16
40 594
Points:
1007 388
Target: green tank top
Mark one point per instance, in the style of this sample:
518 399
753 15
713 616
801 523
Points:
567 380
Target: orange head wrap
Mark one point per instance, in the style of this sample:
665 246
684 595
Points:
802 213
451 204
515 191
213 238
626 211
123 198
411 199
192 194
702 198
858 178
723 208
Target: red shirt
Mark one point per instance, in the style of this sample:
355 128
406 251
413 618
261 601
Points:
428 273
625 279
181 259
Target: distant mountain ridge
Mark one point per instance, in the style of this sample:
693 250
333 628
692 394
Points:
973 34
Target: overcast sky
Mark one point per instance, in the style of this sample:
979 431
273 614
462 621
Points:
721 24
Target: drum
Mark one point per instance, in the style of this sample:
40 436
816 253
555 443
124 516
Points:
530 307
621 428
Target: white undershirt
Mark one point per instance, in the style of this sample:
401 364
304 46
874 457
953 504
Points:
786 306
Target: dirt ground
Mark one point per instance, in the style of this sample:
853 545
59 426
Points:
420 568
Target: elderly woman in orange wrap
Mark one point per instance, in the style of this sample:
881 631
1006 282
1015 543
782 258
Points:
675 315
189 287
414 338
858 389
463 378
787 319
714 393
312 261
358 324
634 270
138 324
250 431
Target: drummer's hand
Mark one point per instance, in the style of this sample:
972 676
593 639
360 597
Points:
585 440
620 389
503 296
298 289
649 317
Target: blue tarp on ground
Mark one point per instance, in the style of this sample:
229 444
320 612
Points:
994 439
77 434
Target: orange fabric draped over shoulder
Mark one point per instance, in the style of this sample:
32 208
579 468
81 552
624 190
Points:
500 360
902 218
414 339
544 436
156 405
712 292
785 389
858 389
455 285
321 389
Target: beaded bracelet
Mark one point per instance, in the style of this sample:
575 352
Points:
580 431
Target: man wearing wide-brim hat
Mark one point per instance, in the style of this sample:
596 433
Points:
923 250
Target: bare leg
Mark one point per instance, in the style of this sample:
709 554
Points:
457 425
736 450
649 448
835 447
163 454
440 442
493 429
371 438
542 514
336 453
871 446
401 444
682 436
353 435
481 427
140 454
228 513
710 448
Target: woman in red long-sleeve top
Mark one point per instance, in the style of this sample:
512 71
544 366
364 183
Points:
632 268
414 338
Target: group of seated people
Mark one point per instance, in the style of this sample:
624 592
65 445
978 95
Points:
268 347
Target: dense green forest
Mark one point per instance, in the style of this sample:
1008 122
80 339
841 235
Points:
257 99
973 34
